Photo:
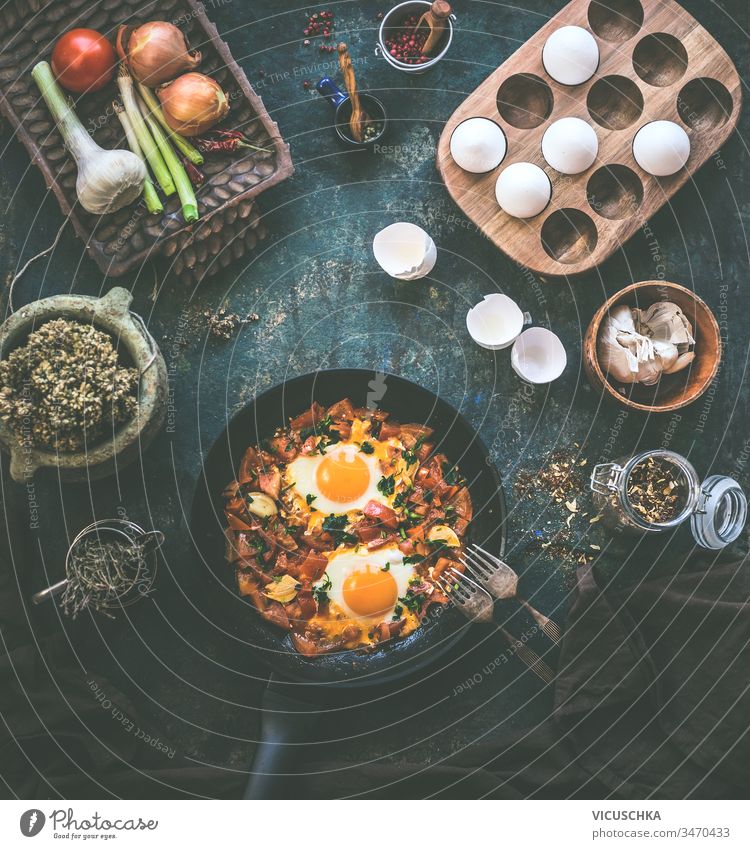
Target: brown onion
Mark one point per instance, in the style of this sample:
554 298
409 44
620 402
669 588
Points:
193 103
156 52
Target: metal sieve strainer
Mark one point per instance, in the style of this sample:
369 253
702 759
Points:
110 564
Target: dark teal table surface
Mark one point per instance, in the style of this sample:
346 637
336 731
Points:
322 302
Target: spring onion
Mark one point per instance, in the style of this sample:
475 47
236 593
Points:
107 179
176 169
153 204
148 146
180 142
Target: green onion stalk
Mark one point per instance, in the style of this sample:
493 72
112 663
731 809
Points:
153 204
176 168
149 147
179 141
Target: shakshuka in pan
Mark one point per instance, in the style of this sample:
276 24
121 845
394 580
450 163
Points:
338 525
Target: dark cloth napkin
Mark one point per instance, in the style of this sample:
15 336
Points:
651 701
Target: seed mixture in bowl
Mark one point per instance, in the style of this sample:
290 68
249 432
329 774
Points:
65 389
338 525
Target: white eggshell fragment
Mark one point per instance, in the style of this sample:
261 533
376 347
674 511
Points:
538 356
404 251
495 321
523 190
571 55
478 145
570 145
661 148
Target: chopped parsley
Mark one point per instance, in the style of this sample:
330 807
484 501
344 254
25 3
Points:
401 497
259 544
410 454
387 485
397 612
412 558
386 568
450 474
320 593
412 601
336 526
366 448
310 498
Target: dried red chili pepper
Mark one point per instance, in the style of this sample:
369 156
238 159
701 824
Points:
197 177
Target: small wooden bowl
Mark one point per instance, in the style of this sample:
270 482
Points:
673 391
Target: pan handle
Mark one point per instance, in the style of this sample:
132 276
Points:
285 722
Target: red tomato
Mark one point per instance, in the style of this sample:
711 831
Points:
83 60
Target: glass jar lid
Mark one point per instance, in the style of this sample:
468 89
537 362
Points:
721 512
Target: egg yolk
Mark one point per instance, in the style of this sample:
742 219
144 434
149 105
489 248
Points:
343 477
371 592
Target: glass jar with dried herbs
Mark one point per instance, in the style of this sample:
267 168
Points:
659 490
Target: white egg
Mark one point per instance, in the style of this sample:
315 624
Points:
366 585
661 148
478 145
523 190
571 55
342 479
570 145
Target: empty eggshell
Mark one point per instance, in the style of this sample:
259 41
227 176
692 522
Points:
570 145
523 190
495 321
571 55
661 148
404 251
538 356
478 145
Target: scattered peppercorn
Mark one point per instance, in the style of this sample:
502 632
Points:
319 23
65 387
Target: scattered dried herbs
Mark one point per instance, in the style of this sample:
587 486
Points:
655 491
65 388
223 323
561 479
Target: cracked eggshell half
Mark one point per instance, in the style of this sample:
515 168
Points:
523 190
404 251
538 356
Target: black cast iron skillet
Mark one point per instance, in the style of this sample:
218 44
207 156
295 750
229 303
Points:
406 402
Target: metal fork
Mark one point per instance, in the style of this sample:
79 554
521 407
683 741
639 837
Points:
476 604
501 581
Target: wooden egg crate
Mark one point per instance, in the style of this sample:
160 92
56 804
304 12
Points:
121 241
656 62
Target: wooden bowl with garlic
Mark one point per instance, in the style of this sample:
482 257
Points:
653 346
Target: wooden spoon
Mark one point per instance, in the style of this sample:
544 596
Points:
359 120
436 18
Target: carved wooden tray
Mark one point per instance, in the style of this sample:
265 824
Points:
656 62
124 239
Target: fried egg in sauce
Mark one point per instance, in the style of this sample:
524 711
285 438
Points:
345 476
341 480
365 586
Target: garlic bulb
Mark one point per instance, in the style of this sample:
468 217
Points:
638 346
666 322
107 179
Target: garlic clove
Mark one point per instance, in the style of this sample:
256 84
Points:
681 362
666 322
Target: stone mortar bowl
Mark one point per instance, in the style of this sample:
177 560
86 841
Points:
111 314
